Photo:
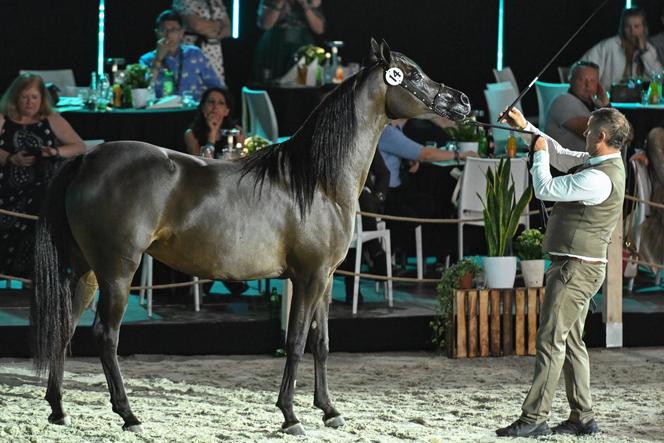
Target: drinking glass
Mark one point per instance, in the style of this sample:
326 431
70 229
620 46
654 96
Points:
188 99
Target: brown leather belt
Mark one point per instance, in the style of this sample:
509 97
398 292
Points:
580 260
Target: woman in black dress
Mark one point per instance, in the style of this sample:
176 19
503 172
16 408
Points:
32 140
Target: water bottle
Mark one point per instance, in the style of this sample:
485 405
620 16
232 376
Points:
103 92
168 85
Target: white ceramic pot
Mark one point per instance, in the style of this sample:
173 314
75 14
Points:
533 273
468 146
499 272
139 97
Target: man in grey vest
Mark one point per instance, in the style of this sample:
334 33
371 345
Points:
587 209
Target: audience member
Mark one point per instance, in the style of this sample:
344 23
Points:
32 140
402 198
628 54
212 117
569 113
206 24
287 25
658 41
190 69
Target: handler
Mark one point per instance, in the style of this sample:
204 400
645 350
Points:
587 210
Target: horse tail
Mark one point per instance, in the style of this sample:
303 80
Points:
51 302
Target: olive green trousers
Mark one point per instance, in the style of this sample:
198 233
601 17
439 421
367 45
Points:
570 285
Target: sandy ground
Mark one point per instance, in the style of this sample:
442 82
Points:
383 398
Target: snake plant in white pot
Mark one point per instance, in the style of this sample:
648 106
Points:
501 219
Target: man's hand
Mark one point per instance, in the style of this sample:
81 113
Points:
515 119
465 155
47 151
214 121
600 98
540 143
22 158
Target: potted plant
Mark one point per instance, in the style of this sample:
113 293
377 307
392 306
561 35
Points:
466 135
137 81
255 143
458 276
529 251
501 218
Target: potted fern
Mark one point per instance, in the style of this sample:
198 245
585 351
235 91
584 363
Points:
466 136
501 219
529 251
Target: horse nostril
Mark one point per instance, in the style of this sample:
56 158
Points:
464 99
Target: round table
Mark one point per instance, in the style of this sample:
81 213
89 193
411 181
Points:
162 127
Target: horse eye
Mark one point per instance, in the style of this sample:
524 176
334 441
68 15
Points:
416 76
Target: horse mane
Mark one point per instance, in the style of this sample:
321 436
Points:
317 154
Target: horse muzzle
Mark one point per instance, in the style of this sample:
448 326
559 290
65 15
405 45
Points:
455 108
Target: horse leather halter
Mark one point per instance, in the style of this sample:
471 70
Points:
394 76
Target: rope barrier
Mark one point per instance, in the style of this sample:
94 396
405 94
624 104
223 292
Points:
648 202
337 272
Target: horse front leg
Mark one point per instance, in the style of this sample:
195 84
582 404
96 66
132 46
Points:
319 343
84 290
110 310
305 297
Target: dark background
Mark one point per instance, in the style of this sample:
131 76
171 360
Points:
453 40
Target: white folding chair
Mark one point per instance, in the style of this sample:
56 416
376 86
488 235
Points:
359 237
59 77
146 280
546 94
497 99
258 116
506 75
473 182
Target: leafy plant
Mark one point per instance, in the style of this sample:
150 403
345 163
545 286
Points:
311 52
501 210
255 143
529 245
445 290
137 76
464 131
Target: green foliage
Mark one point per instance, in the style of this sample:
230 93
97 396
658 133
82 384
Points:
464 131
529 245
255 143
501 210
445 290
137 76
311 52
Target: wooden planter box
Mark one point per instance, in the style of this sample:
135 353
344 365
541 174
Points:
494 322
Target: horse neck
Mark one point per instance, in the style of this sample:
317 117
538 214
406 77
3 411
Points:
371 119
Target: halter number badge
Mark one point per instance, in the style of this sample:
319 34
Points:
394 76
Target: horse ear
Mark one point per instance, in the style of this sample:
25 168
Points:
385 52
375 49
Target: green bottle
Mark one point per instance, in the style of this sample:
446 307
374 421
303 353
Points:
482 143
168 85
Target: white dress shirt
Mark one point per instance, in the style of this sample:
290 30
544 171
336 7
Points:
589 186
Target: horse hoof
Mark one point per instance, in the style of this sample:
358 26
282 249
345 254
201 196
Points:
296 429
133 428
64 420
335 422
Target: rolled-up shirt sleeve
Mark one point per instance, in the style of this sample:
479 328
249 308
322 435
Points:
589 186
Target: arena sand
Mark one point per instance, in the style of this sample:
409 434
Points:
420 397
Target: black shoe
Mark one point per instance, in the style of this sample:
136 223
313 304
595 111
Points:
574 428
522 429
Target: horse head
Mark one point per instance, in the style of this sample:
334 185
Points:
411 93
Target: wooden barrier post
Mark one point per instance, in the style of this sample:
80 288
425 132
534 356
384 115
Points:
484 323
495 322
520 328
508 342
472 323
532 320
460 297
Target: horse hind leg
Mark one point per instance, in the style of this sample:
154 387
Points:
319 344
113 295
84 288
305 297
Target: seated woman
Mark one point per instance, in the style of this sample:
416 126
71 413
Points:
33 138
212 118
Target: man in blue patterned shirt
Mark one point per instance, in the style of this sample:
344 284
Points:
190 68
